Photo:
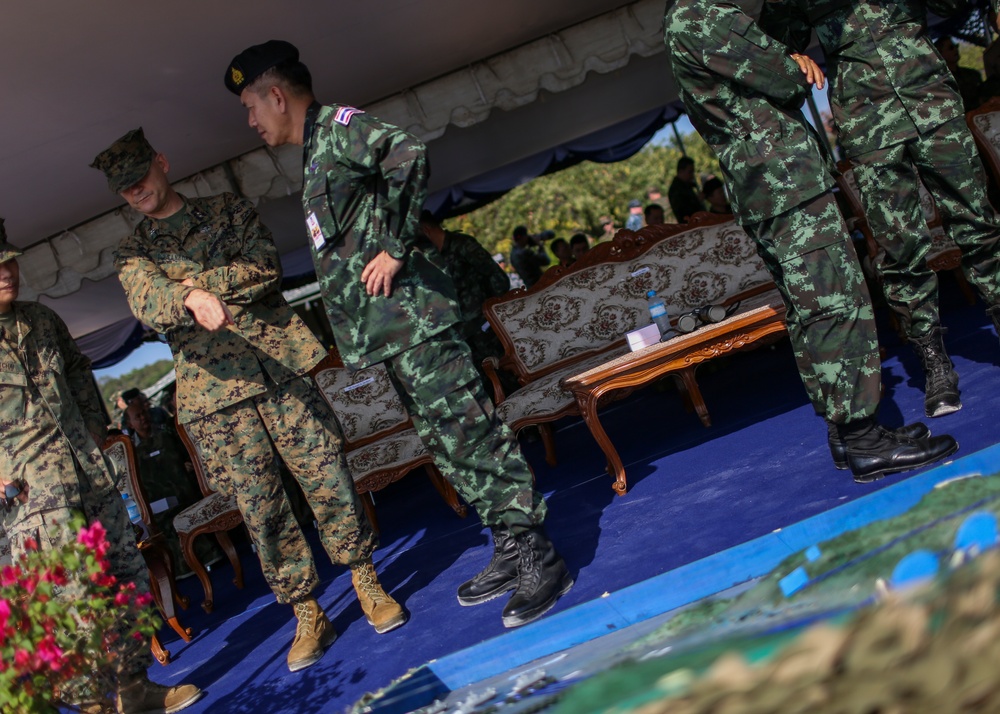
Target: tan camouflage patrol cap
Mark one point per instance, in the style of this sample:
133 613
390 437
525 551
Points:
126 161
7 251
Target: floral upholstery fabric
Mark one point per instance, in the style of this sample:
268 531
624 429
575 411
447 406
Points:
117 461
397 451
365 402
590 308
543 398
206 510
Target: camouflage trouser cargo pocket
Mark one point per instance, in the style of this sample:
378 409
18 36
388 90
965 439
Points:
471 446
829 314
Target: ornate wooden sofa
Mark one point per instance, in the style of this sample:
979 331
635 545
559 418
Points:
575 318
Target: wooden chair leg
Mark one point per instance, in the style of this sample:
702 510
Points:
687 375
227 546
447 491
187 548
164 587
549 441
162 655
368 504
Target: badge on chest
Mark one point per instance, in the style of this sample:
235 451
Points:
315 232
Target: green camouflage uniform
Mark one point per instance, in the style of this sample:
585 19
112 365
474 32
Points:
244 386
901 120
743 94
160 460
477 278
49 409
363 189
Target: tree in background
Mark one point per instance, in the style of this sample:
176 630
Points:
573 200
140 378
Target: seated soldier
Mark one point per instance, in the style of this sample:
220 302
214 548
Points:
165 472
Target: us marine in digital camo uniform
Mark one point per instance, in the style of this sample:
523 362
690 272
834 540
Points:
901 121
51 425
205 272
363 189
743 92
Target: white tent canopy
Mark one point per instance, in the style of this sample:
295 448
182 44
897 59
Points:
486 85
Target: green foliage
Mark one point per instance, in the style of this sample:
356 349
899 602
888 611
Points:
573 200
140 378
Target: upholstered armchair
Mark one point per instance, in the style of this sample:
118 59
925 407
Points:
159 562
216 513
380 442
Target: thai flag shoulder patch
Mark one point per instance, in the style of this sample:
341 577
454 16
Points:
344 114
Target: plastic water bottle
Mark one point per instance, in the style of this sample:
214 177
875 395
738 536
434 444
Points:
658 314
133 515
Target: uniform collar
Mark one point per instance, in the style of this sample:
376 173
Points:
193 218
20 328
312 114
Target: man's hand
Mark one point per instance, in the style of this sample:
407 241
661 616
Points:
208 310
814 75
378 274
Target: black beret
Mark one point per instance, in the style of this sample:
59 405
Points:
254 61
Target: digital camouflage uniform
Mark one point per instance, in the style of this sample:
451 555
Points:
363 189
901 120
477 278
49 410
245 386
743 93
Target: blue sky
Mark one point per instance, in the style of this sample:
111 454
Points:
147 353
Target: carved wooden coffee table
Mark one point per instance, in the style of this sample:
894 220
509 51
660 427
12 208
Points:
760 321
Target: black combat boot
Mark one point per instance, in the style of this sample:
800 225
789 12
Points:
941 394
542 578
498 577
838 449
874 452
994 313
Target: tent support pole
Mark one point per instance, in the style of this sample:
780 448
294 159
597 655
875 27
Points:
677 136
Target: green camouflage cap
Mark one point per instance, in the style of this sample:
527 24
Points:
7 251
126 161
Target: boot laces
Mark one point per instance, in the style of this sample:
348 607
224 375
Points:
529 576
304 613
368 584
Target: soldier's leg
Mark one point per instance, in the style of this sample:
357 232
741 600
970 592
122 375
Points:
236 447
952 171
306 435
472 447
825 289
305 432
796 335
823 280
888 183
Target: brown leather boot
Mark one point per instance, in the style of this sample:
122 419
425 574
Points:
137 695
382 612
313 635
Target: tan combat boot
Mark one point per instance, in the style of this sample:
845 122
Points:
313 634
381 611
137 695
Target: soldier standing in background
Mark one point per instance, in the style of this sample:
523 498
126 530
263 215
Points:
900 120
205 272
476 277
363 189
743 92
51 466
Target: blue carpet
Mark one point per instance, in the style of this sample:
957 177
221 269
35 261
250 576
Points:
693 492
